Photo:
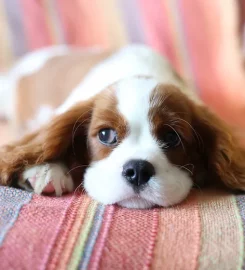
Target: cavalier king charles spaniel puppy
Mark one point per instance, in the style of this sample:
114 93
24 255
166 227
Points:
130 134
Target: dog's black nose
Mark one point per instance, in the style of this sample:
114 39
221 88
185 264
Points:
138 172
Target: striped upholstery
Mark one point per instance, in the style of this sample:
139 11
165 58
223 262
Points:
74 232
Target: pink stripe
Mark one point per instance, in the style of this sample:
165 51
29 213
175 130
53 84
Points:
40 219
57 232
69 217
100 243
153 24
172 37
179 236
35 26
127 246
152 239
80 24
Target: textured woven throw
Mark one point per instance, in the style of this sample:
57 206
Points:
74 232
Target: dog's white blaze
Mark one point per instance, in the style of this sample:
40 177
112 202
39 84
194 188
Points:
104 180
133 96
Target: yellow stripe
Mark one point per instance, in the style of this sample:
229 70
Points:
6 56
117 33
222 234
78 250
51 21
84 202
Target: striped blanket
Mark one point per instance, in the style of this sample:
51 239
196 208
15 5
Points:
75 232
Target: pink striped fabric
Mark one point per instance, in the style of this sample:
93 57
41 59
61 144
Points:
36 29
34 233
138 234
74 232
179 236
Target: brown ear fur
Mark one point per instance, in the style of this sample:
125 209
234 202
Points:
225 157
56 141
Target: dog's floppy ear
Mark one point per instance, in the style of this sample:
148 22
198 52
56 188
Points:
64 138
223 154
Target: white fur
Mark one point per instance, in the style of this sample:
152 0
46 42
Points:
130 61
49 173
5 97
103 180
29 64
43 116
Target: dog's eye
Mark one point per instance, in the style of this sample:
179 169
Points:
107 136
171 139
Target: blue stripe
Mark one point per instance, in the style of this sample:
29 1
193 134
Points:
132 20
57 22
98 218
11 202
14 15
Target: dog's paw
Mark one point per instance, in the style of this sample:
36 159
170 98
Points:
47 178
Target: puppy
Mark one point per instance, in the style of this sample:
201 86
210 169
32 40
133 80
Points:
130 133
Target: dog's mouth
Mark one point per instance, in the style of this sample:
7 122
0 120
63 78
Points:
136 202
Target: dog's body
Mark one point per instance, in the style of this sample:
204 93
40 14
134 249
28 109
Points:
130 124
69 75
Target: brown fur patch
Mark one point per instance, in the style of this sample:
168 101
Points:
105 115
63 139
171 111
208 150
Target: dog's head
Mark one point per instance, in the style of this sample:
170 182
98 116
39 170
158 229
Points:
145 144
138 140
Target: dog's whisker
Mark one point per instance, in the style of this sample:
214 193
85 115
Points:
74 133
198 136
177 135
78 187
184 167
195 185
78 167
